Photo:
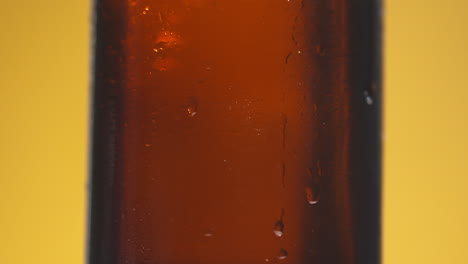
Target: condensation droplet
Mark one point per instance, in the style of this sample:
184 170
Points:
279 228
192 107
312 195
208 234
192 112
312 189
368 98
258 131
282 254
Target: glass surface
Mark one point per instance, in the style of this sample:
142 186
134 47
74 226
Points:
236 132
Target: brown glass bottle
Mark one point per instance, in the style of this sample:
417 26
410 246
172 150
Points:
236 131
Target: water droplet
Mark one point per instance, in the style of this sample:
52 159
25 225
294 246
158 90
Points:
313 187
368 98
282 254
191 111
312 195
147 145
278 229
192 107
208 234
258 131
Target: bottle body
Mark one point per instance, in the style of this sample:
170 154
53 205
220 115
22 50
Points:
236 131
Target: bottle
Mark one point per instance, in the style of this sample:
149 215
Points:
236 132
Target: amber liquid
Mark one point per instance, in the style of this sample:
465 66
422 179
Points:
236 131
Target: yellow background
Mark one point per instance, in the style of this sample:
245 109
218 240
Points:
44 59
